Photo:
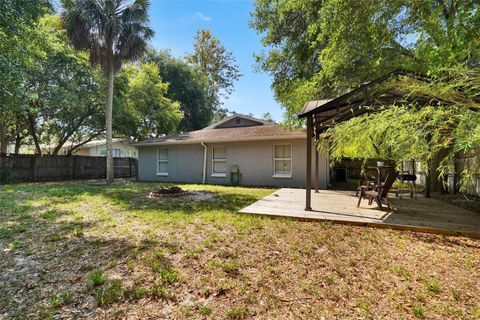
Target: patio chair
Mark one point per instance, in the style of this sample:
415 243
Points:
366 183
379 193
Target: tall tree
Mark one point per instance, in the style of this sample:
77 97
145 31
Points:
65 92
16 24
323 48
114 31
153 112
187 87
217 64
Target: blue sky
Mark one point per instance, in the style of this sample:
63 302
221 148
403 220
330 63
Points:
175 23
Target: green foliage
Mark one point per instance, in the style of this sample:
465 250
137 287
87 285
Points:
448 125
113 32
187 86
61 83
17 23
154 113
217 64
322 48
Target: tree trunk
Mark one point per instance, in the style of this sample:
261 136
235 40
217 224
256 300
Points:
33 133
3 138
18 143
108 123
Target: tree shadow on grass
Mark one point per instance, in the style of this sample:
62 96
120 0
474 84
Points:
135 197
50 258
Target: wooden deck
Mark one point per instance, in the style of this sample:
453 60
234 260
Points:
425 215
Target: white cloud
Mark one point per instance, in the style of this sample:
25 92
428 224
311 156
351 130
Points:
201 16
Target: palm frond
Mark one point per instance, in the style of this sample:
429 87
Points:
114 31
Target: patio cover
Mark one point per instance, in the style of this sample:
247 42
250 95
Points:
369 97
373 96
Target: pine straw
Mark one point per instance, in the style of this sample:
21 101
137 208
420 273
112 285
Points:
201 260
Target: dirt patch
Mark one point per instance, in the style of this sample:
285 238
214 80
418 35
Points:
170 192
179 193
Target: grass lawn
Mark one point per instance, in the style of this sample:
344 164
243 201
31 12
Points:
91 251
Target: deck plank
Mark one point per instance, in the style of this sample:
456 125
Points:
425 215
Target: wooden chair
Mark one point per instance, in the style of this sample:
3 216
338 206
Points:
365 183
380 191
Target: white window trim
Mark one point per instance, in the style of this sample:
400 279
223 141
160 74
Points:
161 174
119 152
282 175
218 174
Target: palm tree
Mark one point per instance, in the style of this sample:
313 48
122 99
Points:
114 31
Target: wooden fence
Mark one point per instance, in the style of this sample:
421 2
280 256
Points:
24 168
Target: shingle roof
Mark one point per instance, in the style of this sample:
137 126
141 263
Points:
261 132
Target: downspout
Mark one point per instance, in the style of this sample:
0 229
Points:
204 162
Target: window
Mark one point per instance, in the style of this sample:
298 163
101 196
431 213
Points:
115 153
162 162
282 161
219 162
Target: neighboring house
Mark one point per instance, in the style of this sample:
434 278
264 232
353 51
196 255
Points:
121 147
264 153
24 149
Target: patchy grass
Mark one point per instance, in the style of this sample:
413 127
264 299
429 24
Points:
73 250
97 278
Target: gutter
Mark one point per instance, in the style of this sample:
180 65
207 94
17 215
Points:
204 162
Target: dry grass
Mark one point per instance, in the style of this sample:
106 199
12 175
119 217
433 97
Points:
91 251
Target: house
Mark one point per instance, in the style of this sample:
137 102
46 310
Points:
121 147
237 150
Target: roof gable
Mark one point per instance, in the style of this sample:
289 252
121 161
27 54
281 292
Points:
239 120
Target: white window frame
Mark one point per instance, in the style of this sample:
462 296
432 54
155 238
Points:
219 174
162 174
282 175
104 153
119 152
